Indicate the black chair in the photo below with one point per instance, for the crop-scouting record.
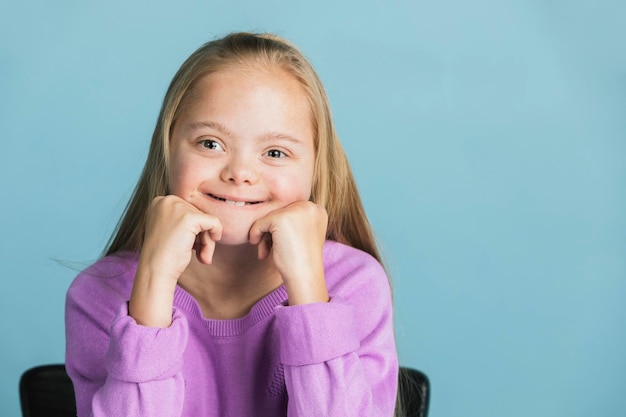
(47, 391)
(413, 393)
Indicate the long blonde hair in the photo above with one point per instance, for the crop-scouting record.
(334, 187)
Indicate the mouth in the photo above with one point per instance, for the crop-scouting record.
(237, 203)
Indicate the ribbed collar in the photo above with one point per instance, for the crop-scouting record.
(226, 328)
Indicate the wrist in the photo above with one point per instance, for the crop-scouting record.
(307, 290)
(152, 299)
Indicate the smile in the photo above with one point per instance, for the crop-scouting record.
(233, 202)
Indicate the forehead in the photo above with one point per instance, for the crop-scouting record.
(246, 82)
(244, 96)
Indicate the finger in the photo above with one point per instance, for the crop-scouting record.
(255, 235)
(259, 228)
(205, 240)
(265, 246)
(208, 227)
(206, 250)
(261, 236)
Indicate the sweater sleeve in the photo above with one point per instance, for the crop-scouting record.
(340, 357)
(118, 367)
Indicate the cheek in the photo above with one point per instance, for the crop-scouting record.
(176, 177)
(302, 187)
(308, 184)
(294, 187)
(184, 176)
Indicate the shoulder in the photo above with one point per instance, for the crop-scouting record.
(105, 284)
(351, 272)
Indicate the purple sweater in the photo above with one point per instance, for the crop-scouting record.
(323, 359)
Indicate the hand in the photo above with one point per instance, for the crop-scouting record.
(174, 228)
(294, 237)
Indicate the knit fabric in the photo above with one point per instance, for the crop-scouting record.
(323, 359)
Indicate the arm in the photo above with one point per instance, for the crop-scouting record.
(118, 367)
(340, 357)
(125, 358)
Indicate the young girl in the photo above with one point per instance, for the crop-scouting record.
(243, 279)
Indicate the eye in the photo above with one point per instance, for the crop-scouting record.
(211, 144)
(275, 153)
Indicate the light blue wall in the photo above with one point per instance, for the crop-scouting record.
(488, 138)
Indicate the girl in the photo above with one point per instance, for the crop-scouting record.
(243, 278)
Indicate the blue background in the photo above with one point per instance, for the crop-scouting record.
(487, 137)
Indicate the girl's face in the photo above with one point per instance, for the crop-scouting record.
(242, 147)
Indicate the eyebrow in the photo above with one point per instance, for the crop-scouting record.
(280, 136)
(210, 124)
(266, 137)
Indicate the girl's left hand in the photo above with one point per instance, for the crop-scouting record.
(294, 237)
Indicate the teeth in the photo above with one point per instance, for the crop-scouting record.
(236, 203)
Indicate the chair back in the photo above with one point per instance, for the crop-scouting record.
(413, 393)
(47, 391)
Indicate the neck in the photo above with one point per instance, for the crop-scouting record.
(232, 284)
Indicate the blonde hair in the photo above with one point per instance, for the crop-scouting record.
(334, 187)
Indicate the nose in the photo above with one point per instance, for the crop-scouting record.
(239, 170)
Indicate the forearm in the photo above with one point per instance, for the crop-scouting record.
(331, 371)
(308, 287)
(341, 387)
(130, 370)
(151, 299)
(158, 398)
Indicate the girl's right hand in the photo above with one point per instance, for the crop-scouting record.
(174, 228)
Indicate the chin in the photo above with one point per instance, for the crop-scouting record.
(235, 238)
(233, 242)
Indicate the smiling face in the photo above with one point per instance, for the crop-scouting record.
(242, 147)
